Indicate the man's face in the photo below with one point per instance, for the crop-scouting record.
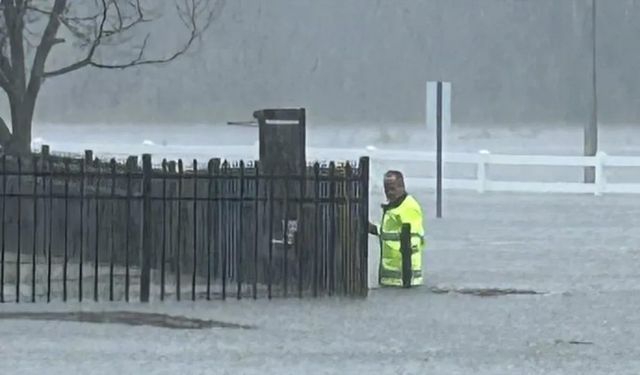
(393, 188)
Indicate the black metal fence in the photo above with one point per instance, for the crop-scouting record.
(75, 229)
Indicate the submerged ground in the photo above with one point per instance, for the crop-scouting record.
(579, 251)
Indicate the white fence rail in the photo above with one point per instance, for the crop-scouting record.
(481, 160)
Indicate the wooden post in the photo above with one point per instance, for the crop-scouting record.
(282, 153)
(132, 162)
(145, 274)
(88, 157)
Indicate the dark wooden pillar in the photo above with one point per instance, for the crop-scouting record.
(282, 154)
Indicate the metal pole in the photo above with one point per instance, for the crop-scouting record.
(439, 151)
(591, 128)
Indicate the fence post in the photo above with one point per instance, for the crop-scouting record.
(405, 250)
(364, 221)
(600, 178)
(482, 170)
(145, 273)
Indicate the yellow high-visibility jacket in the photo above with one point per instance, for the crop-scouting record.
(406, 210)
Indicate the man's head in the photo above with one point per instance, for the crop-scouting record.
(393, 185)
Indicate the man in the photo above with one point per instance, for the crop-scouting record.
(401, 208)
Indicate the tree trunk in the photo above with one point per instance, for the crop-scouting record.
(21, 122)
(20, 143)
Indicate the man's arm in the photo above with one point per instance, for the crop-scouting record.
(373, 229)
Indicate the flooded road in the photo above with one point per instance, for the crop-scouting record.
(580, 252)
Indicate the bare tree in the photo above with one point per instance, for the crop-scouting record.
(105, 34)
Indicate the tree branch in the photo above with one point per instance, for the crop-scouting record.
(87, 60)
(63, 17)
(47, 42)
(190, 14)
(14, 23)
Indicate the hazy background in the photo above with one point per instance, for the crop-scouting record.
(366, 61)
(519, 69)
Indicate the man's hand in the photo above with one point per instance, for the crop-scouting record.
(373, 229)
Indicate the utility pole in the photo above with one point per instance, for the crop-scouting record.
(591, 128)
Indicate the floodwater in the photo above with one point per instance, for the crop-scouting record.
(206, 141)
(555, 139)
(579, 252)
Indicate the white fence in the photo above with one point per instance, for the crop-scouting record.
(481, 160)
